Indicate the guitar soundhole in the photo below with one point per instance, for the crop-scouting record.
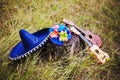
(97, 51)
(90, 36)
(103, 57)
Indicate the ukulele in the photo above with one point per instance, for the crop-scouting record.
(100, 55)
(94, 39)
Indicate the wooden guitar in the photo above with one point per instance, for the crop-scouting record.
(100, 55)
(94, 39)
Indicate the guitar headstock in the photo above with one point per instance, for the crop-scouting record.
(101, 56)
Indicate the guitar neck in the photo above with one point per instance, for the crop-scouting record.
(80, 29)
(74, 30)
(74, 25)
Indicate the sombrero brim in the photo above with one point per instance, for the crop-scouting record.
(19, 51)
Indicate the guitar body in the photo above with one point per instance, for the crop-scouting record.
(100, 55)
(94, 39)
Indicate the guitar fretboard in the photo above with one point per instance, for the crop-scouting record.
(81, 36)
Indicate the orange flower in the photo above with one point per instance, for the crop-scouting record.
(54, 34)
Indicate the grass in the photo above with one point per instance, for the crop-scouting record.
(100, 16)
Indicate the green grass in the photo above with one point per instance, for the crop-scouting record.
(100, 16)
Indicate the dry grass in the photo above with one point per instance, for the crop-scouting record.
(100, 16)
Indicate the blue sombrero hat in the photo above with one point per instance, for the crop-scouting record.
(29, 43)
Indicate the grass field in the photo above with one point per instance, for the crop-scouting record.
(100, 16)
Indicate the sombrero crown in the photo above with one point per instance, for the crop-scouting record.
(29, 43)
